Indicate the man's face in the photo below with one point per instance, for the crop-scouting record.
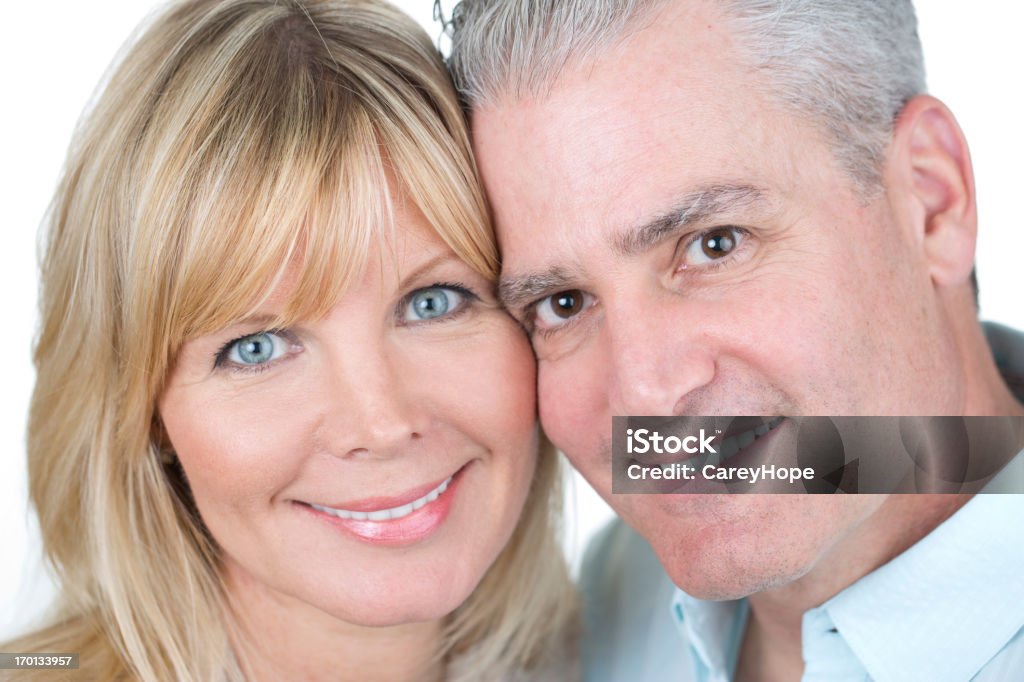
(676, 243)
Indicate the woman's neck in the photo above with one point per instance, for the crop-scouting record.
(278, 637)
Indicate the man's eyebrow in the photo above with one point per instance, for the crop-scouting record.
(518, 290)
(697, 206)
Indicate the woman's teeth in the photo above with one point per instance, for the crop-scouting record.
(386, 514)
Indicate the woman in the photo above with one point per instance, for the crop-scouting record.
(281, 427)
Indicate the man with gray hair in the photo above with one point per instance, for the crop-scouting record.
(750, 207)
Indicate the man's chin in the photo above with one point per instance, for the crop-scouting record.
(714, 587)
(724, 581)
(719, 562)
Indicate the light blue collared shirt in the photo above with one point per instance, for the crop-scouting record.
(949, 609)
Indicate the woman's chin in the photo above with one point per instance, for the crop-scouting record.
(429, 602)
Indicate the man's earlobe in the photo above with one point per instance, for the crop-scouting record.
(931, 162)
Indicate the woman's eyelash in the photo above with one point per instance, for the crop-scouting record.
(455, 286)
(468, 294)
(220, 358)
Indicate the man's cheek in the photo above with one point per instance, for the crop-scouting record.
(555, 416)
(567, 422)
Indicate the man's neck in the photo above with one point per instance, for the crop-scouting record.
(772, 642)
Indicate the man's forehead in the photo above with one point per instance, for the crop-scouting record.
(653, 36)
(619, 110)
(668, 122)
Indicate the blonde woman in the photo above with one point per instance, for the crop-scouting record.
(281, 427)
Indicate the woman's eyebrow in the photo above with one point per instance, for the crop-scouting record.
(423, 268)
(256, 319)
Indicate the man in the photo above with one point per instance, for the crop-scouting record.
(748, 207)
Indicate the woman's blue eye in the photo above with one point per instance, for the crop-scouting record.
(432, 303)
(257, 349)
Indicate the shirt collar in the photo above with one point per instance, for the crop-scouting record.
(713, 630)
(938, 611)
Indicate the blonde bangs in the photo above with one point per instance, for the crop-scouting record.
(284, 171)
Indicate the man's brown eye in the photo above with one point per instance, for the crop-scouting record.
(718, 243)
(714, 245)
(558, 310)
(567, 303)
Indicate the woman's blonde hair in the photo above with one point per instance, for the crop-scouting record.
(233, 138)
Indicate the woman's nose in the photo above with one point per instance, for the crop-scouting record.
(370, 404)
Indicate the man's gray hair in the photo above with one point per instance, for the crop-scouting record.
(849, 66)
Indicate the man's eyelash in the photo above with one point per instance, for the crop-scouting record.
(529, 315)
(546, 334)
(687, 242)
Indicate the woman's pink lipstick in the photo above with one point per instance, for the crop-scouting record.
(397, 520)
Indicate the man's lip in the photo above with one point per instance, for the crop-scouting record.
(737, 426)
(380, 502)
(751, 453)
(741, 425)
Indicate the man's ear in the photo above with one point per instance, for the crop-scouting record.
(929, 166)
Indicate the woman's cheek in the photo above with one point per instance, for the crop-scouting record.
(234, 449)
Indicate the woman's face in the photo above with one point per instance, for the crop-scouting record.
(371, 464)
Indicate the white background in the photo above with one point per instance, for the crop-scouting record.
(53, 53)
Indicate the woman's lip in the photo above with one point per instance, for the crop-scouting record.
(408, 529)
(371, 504)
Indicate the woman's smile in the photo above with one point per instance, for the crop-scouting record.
(395, 520)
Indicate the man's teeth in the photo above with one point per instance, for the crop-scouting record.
(386, 514)
(729, 447)
(733, 444)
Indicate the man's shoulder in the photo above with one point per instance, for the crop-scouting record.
(627, 597)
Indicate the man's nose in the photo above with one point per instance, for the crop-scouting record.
(657, 357)
(371, 407)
